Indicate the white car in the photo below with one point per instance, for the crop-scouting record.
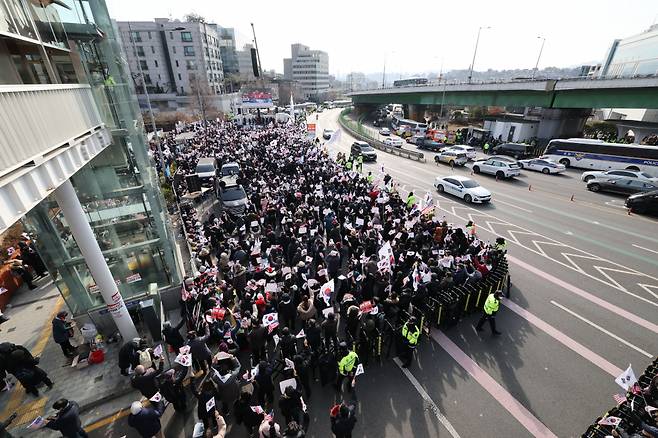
(392, 141)
(468, 150)
(612, 174)
(499, 168)
(385, 131)
(542, 165)
(327, 133)
(467, 189)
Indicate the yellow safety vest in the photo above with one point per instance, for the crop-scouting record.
(347, 363)
(410, 336)
(491, 305)
(370, 178)
(411, 200)
(348, 165)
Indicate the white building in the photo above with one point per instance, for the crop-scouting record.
(310, 69)
(245, 67)
(175, 57)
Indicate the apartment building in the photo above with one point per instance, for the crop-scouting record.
(177, 59)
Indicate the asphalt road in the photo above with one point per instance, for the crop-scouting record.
(584, 304)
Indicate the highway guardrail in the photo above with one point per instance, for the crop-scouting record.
(362, 133)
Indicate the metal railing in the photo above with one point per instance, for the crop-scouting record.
(369, 135)
(37, 119)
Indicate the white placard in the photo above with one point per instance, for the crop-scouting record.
(286, 383)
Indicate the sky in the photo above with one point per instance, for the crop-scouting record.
(414, 36)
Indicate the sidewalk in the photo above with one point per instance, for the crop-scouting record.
(30, 314)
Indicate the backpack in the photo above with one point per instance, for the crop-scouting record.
(145, 358)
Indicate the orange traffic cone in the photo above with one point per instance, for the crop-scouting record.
(572, 198)
(530, 188)
(630, 210)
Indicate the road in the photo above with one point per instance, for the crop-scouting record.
(583, 306)
(584, 302)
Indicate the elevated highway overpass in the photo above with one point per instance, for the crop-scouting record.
(558, 94)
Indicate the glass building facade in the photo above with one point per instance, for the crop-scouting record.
(633, 56)
(118, 189)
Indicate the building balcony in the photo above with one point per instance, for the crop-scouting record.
(47, 133)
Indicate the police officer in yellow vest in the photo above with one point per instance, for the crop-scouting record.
(348, 163)
(411, 200)
(359, 163)
(491, 306)
(410, 335)
(346, 366)
(370, 177)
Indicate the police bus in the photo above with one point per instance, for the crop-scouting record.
(592, 154)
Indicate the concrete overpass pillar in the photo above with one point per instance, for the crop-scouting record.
(417, 112)
(562, 123)
(362, 109)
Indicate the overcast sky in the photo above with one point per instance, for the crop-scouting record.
(417, 36)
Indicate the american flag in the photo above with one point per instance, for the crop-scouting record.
(619, 399)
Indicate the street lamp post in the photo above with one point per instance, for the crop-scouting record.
(477, 41)
(541, 49)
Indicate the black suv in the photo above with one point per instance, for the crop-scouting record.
(363, 148)
(516, 150)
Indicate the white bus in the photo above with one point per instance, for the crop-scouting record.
(410, 127)
(592, 154)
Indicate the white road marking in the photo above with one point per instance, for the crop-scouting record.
(568, 233)
(601, 329)
(646, 249)
(435, 409)
(609, 204)
(498, 201)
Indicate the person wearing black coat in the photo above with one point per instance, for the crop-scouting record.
(61, 333)
(245, 415)
(19, 361)
(146, 380)
(257, 340)
(201, 355)
(343, 423)
(171, 387)
(146, 420)
(67, 419)
(288, 344)
(128, 356)
(172, 335)
(264, 385)
(287, 311)
(291, 406)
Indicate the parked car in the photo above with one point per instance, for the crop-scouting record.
(451, 157)
(623, 186)
(229, 169)
(516, 150)
(392, 141)
(613, 174)
(363, 148)
(384, 131)
(429, 144)
(542, 165)
(327, 133)
(414, 138)
(466, 188)
(495, 166)
(231, 195)
(643, 202)
(206, 168)
(468, 150)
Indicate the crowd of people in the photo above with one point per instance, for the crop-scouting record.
(300, 288)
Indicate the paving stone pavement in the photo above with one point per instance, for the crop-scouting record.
(31, 314)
